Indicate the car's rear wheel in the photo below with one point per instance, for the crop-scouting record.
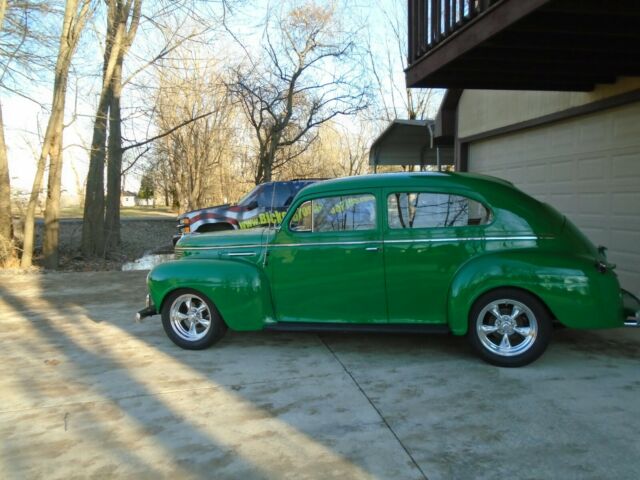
(509, 327)
(191, 320)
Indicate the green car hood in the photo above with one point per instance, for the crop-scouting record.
(226, 238)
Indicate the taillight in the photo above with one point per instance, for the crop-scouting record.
(185, 225)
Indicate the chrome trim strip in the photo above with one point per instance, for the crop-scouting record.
(369, 242)
(241, 254)
(219, 247)
(329, 244)
(463, 239)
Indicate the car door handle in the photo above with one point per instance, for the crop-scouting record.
(372, 249)
(241, 254)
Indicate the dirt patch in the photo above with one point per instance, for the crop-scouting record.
(139, 237)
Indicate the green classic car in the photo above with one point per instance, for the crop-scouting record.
(414, 252)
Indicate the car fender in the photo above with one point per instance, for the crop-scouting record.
(240, 290)
(571, 287)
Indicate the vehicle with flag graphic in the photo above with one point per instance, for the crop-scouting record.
(265, 205)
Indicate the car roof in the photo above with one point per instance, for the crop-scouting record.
(408, 180)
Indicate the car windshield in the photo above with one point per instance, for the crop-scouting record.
(249, 197)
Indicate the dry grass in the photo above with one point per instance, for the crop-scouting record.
(8, 254)
(125, 212)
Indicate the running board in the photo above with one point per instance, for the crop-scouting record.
(318, 327)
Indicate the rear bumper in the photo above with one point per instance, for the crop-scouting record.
(631, 305)
(147, 311)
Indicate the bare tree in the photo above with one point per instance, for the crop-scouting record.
(305, 81)
(75, 16)
(386, 64)
(6, 222)
(76, 13)
(344, 152)
(22, 47)
(123, 18)
(196, 155)
(101, 225)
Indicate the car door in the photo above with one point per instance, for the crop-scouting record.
(428, 235)
(326, 264)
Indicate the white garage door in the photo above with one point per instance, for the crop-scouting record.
(588, 168)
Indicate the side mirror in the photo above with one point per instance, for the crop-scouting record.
(253, 205)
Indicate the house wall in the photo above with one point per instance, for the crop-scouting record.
(484, 110)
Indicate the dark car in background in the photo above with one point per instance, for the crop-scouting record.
(265, 205)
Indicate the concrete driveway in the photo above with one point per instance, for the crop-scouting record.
(84, 391)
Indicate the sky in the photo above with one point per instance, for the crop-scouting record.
(25, 119)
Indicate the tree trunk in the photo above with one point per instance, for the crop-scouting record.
(74, 21)
(6, 223)
(93, 217)
(114, 166)
(93, 242)
(52, 209)
(29, 220)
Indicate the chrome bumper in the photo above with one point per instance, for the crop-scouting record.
(633, 322)
(147, 311)
(631, 309)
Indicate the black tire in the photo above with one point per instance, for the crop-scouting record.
(504, 337)
(179, 330)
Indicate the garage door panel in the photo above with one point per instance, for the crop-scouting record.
(626, 127)
(626, 242)
(626, 203)
(626, 166)
(592, 204)
(593, 132)
(591, 169)
(562, 171)
(597, 236)
(588, 168)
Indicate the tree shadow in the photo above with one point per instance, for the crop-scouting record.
(197, 418)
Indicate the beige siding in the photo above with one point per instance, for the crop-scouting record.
(587, 167)
(483, 110)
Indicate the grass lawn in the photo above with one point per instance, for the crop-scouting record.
(125, 212)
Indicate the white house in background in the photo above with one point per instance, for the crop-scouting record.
(128, 199)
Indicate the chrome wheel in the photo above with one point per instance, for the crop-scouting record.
(507, 327)
(190, 317)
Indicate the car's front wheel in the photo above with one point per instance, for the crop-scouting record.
(191, 320)
(509, 327)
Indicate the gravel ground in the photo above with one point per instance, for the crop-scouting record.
(140, 236)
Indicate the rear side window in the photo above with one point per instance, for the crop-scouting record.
(434, 210)
(336, 214)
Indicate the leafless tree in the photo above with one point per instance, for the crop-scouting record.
(6, 222)
(387, 60)
(308, 77)
(20, 37)
(76, 13)
(101, 220)
(196, 156)
(123, 18)
(342, 152)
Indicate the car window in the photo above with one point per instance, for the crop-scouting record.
(284, 195)
(434, 210)
(336, 214)
(266, 195)
(250, 197)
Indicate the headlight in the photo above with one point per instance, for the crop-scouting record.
(185, 225)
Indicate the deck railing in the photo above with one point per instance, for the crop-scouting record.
(432, 21)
